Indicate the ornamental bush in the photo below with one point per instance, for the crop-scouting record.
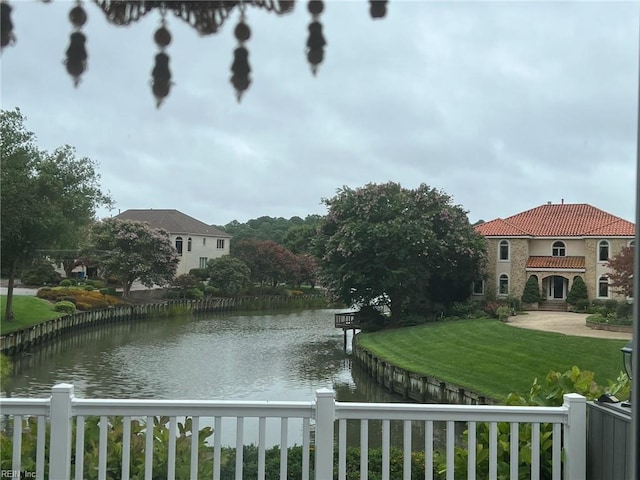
(65, 283)
(578, 291)
(79, 295)
(65, 307)
(531, 293)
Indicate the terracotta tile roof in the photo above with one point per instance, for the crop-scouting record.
(172, 221)
(559, 220)
(555, 262)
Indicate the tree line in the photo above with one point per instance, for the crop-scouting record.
(413, 251)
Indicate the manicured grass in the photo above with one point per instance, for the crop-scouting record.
(27, 311)
(491, 358)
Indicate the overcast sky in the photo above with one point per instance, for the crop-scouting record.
(503, 105)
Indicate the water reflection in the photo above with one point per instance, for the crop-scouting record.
(284, 356)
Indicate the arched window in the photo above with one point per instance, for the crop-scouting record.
(504, 250)
(559, 249)
(603, 287)
(189, 244)
(632, 243)
(179, 245)
(603, 251)
(503, 284)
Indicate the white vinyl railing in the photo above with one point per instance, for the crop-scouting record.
(321, 440)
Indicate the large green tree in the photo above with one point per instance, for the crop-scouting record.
(46, 198)
(130, 251)
(406, 248)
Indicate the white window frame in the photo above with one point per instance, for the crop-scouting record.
(203, 262)
(220, 244)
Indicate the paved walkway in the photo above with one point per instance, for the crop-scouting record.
(568, 323)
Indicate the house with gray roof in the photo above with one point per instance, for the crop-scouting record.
(195, 241)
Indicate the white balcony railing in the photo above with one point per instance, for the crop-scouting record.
(64, 416)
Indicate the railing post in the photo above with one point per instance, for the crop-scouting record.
(60, 441)
(575, 436)
(325, 416)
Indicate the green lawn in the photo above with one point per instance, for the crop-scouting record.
(27, 311)
(491, 358)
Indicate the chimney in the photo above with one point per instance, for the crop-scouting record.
(562, 201)
(548, 202)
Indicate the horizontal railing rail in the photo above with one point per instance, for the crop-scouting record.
(110, 438)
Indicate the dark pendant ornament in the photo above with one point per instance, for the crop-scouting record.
(378, 8)
(161, 75)
(76, 55)
(315, 41)
(6, 25)
(240, 68)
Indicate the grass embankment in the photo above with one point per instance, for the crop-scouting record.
(27, 311)
(491, 358)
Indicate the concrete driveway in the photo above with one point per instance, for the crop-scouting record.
(568, 323)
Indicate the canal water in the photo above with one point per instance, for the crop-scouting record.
(281, 356)
(277, 356)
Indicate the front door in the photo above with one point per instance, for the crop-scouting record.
(556, 288)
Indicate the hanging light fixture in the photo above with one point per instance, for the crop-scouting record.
(206, 17)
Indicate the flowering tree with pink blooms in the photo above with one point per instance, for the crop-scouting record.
(411, 250)
(130, 251)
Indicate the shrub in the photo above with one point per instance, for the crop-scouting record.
(172, 295)
(582, 305)
(624, 310)
(200, 273)
(40, 273)
(68, 299)
(108, 291)
(531, 293)
(65, 283)
(503, 313)
(89, 288)
(469, 309)
(491, 308)
(611, 305)
(210, 291)
(79, 295)
(577, 292)
(193, 294)
(64, 306)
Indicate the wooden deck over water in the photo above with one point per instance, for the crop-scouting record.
(347, 320)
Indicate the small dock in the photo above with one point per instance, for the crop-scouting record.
(347, 321)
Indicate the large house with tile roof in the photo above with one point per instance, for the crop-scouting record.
(195, 241)
(556, 243)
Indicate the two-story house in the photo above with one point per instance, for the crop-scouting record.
(195, 241)
(556, 243)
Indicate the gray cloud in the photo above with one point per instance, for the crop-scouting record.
(502, 105)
